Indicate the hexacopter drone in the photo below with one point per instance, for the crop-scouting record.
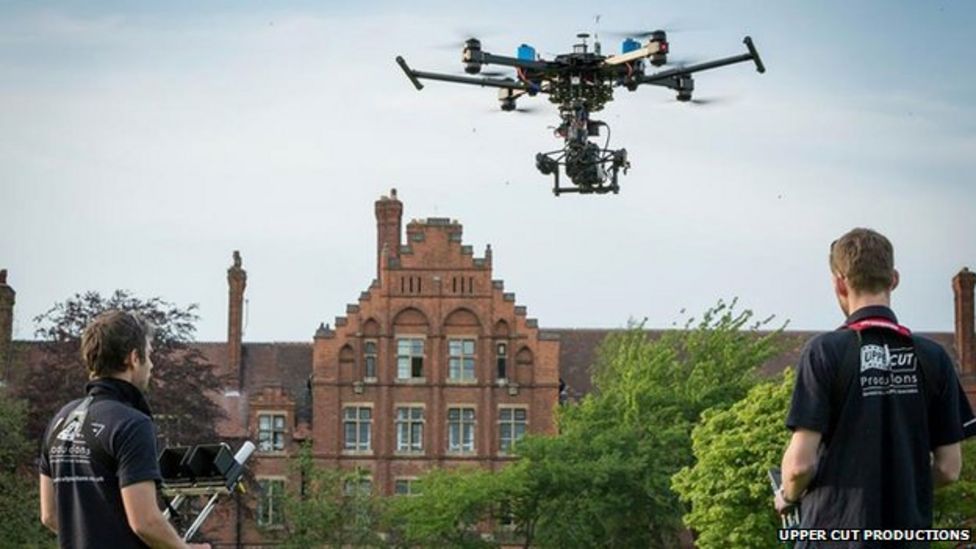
(580, 83)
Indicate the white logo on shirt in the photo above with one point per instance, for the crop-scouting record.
(875, 357)
(893, 371)
(70, 431)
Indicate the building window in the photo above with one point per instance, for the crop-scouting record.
(461, 360)
(271, 432)
(511, 427)
(369, 360)
(410, 358)
(405, 487)
(410, 429)
(501, 360)
(357, 422)
(358, 486)
(460, 430)
(270, 502)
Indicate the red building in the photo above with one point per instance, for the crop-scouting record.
(434, 366)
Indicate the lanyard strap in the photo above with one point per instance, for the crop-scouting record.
(878, 322)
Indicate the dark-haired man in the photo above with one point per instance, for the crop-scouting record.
(98, 468)
(875, 413)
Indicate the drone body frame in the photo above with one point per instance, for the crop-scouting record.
(580, 83)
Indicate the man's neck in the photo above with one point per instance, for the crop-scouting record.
(124, 376)
(858, 302)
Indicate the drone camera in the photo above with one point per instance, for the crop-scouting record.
(545, 165)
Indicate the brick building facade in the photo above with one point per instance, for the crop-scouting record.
(435, 365)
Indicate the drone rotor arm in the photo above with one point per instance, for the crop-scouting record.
(492, 59)
(661, 78)
(760, 68)
(411, 74)
(470, 80)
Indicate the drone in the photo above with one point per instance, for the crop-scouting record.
(581, 83)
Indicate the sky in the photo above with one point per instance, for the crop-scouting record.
(141, 143)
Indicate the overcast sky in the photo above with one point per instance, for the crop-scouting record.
(141, 143)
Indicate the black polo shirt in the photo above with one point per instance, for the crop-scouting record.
(874, 468)
(87, 480)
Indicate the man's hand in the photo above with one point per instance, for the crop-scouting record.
(146, 520)
(782, 507)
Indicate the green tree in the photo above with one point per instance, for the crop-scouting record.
(728, 486)
(576, 491)
(955, 505)
(448, 510)
(183, 381)
(330, 507)
(19, 510)
(649, 396)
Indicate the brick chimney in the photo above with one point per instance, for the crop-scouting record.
(389, 220)
(236, 282)
(7, 295)
(962, 286)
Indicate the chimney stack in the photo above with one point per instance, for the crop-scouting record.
(389, 219)
(236, 282)
(7, 295)
(962, 286)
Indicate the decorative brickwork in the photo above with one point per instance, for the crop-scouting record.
(430, 331)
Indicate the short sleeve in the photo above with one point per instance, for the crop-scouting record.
(135, 452)
(44, 461)
(810, 406)
(950, 408)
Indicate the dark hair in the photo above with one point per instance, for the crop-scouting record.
(108, 340)
(865, 258)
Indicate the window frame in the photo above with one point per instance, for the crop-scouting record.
(501, 360)
(463, 359)
(410, 482)
(349, 486)
(410, 421)
(265, 498)
(460, 449)
(511, 423)
(358, 446)
(412, 358)
(374, 355)
(272, 415)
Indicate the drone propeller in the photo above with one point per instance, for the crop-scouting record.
(497, 74)
(637, 35)
(704, 102)
(460, 36)
(709, 101)
(520, 110)
(681, 62)
(672, 26)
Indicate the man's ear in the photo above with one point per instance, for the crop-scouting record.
(132, 359)
(895, 279)
(840, 285)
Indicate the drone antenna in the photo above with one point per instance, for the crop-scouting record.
(596, 35)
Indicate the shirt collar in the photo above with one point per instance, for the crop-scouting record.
(872, 311)
(121, 390)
